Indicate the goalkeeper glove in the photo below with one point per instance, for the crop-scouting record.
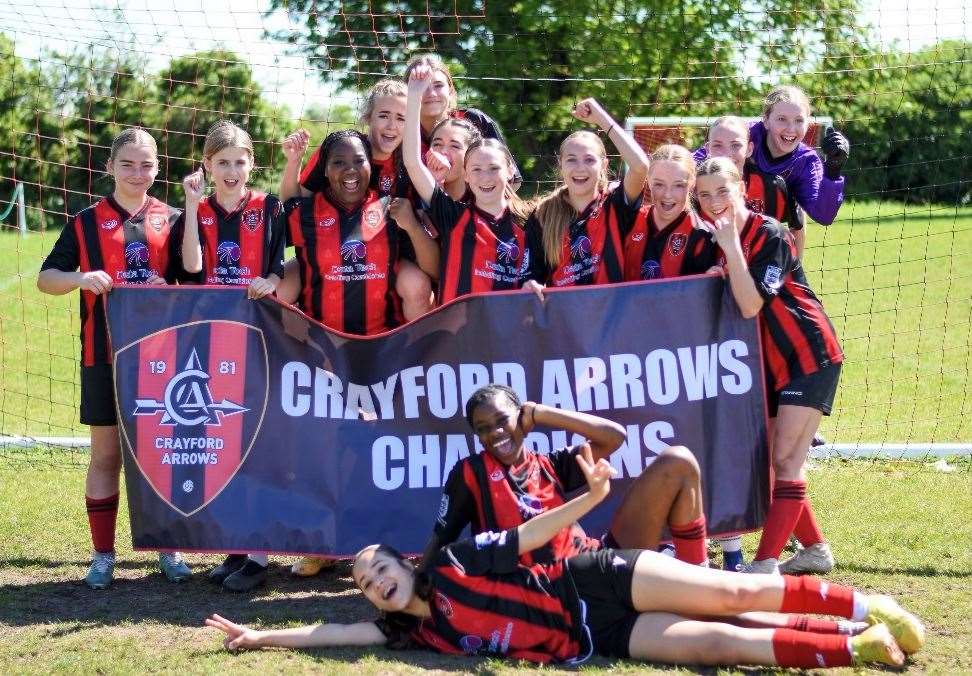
(836, 149)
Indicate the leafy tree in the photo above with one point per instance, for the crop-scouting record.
(908, 115)
(525, 62)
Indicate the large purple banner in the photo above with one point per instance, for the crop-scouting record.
(247, 426)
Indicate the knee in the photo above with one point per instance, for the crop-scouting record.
(679, 461)
(719, 646)
(739, 596)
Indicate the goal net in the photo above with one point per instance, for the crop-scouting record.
(894, 270)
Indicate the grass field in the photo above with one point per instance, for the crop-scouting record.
(900, 528)
(896, 280)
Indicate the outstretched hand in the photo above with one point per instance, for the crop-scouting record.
(238, 636)
(438, 164)
(598, 474)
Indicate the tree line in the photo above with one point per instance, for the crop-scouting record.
(908, 114)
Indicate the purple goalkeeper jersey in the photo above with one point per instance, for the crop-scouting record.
(803, 172)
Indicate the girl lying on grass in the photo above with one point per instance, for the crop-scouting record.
(475, 598)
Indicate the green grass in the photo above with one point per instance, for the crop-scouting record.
(898, 528)
(896, 281)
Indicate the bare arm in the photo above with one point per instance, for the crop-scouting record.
(59, 282)
(539, 530)
(239, 636)
(294, 147)
(605, 436)
(421, 177)
(590, 111)
(288, 289)
(194, 186)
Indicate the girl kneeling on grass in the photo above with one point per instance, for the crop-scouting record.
(476, 599)
(127, 237)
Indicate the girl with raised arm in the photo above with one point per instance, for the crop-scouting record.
(477, 599)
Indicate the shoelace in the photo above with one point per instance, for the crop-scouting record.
(102, 563)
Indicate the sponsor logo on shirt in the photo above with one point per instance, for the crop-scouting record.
(207, 220)
(580, 247)
(354, 250)
(496, 475)
(326, 222)
(508, 251)
(110, 224)
(529, 505)
(650, 269)
(470, 644)
(637, 237)
(228, 252)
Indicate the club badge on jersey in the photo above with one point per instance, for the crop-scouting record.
(195, 395)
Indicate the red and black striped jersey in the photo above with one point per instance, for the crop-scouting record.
(131, 248)
(680, 248)
(483, 493)
(388, 177)
(347, 262)
(483, 602)
(798, 338)
(243, 244)
(480, 253)
(591, 251)
(767, 194)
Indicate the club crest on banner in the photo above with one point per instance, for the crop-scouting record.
(191, 401)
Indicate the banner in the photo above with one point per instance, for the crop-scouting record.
(247, 426)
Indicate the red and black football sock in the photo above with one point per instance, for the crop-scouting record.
(784, 512)
(689, 541)
(808, 650)
(813, 595)
(806, 529)
(102, 513)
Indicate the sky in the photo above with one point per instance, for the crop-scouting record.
(177, 27)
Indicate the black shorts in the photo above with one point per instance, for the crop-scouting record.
(816, 390)
(603, 582)
(98, 396)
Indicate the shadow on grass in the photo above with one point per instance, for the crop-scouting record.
(150, 597)
(914, 571)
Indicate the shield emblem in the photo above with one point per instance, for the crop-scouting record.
(677, 243)
(191, 401)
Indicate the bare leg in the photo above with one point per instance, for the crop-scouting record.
(415, 289)
(664, 584)
(104, 464)
(668, 492)
(664, 637)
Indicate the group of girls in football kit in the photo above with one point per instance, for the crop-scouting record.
(423, 209)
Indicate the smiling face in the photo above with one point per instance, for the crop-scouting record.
(348, 171)
(437, 99)
(133, 168)
(488, 173)
(230, 169)
(495, 422)
(385, 581)
(452, 141)
(386, 126)
(730, 141)
(716, 193)
(583, 166)
(670, 183)
(786, 125)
